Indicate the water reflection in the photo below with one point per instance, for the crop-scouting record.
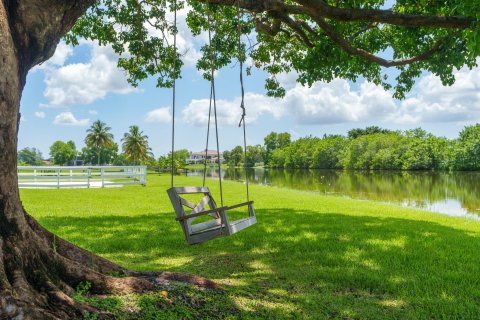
(456, 193)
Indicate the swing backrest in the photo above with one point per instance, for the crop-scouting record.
(181, 203)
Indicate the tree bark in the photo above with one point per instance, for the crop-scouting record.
(31, 286)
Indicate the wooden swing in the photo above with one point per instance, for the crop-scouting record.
(218, 224)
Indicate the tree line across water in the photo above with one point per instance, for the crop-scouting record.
(372, 148)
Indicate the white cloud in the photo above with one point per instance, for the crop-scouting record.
(434, 102)
(338, 102)
(160, 115)
(62, 53)
(229, 112)
(84, 83)
(93, 112)
(40, 114)
(68, 119)
(287, 80)
(322, 103)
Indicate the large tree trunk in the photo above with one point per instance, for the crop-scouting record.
(38, 271)
(33, 278)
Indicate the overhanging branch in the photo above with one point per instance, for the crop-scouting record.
(348, 47)
(320, 9)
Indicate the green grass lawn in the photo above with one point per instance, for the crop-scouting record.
(309, 256)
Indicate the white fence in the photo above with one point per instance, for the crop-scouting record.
(81, 176)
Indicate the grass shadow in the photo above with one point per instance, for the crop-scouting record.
(305, 264)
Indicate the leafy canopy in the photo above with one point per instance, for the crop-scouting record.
(30, 156)
(63, 152)
(105, 155)
(319, 40)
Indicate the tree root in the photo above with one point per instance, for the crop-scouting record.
(166, 276)
(72, 252)
(39, 273)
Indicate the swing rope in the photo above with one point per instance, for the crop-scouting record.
(215, 115)
(242, 104)
(213, 101)
(209, 106)
(208, 136)
(173, 91)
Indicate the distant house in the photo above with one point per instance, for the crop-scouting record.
(199, 157)
(76, 162)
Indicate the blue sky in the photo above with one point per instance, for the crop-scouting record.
(80, 85)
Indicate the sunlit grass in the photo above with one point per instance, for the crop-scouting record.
(309, 256)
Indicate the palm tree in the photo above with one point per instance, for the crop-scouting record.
(135, 145)
(98, 137)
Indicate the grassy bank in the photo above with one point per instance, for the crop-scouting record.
(310, 256)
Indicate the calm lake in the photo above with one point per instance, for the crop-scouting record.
(451, 193)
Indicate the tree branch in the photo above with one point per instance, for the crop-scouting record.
(297, 27)
(348, 47)
(320, 9)
(362, 31)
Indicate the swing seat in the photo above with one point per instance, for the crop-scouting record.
(219, 225)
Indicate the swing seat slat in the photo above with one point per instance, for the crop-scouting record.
(219, 225)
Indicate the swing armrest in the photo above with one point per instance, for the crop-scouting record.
(238, 205)
(220, 209)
